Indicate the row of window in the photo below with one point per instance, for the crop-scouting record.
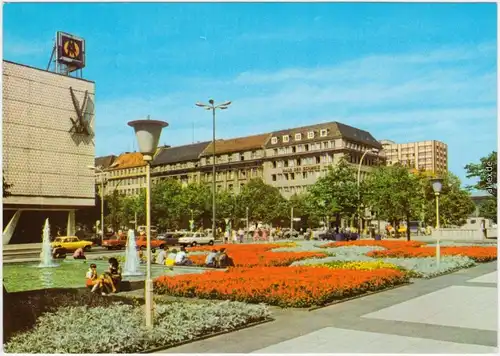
(299, 136)
(230, 175)
(298, 175)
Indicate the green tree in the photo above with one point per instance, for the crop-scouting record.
(488, 209)
(166, 204)
(486, 172)
(132, 205)
(195, 201)
(114, 218)
(395, 194)
(265, 203)
(336, 193)
(455, 203)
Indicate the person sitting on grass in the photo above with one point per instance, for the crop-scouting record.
(181, 258)
(92, 278)
(162, 256)
(79, 254)
(170, 261)
(223, 260)
(210, 260)
(111, 279)
(59, 252)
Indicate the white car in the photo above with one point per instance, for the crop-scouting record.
(196, 238)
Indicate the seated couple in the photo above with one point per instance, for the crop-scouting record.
(173, 258)
(219, 259)
(108, 282)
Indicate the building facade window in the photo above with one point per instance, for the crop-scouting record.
(323, 132)
(310, 134)
(274, 140)
(298, 137)
(286, 138)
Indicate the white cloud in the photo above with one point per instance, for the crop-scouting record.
(444, 94)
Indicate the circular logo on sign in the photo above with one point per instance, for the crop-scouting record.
(71, 49)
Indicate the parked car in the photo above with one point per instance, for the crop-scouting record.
(287, 234)
(71, 243)
(170, 238)
(141, 243)
(327, 235)
(196, 238)
(316, 234)
(115, 242)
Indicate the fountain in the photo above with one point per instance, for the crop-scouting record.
(46, 255)
(131, 267)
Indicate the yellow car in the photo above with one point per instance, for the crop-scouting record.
(71, 243)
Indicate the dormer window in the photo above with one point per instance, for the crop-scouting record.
(286, 138)
(310, 134)
(298, 137)
(323, 133)
(274, 140)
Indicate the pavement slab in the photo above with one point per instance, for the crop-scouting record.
(336, 340)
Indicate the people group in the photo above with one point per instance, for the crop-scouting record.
(218, 259)
(106, 283)
(174, 257)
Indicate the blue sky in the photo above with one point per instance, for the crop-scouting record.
(404, 72)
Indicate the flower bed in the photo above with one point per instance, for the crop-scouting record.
(251, 255)
(361, 265)
(389, 244)
(281, 286)
(477, 253)
(120, 328)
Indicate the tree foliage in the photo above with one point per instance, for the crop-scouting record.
(336, 193)
(455, 203)
(394, 193)
(488, 209)
(485, 172)
(264, 202)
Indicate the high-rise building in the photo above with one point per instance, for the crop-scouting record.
(431, 156)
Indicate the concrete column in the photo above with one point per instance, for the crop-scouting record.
(11, 227)
(70, 227)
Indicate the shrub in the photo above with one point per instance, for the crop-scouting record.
(120, 328)
(281, 286)
(426, 267)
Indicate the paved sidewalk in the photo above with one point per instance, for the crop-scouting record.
(456, 313)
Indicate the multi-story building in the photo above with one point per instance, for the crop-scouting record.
(238, 160)
(48, 123)
(290, 160)
(296, 158)
(127, 174)
(431, 156)
(102, 166)
(180, 162)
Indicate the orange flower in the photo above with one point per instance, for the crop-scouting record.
(282, 286)
(389, 244)
(248, 255)
(477, 253)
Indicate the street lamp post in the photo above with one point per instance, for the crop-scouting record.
(211, 106)
(148, 135)
(372, 150)
(102, 171)
(247, 222)
(437, 185)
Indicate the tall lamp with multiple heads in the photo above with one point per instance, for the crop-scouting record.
(211, 106)
(148, 134)
(437, 186)
(372, 150)
(102, 171)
